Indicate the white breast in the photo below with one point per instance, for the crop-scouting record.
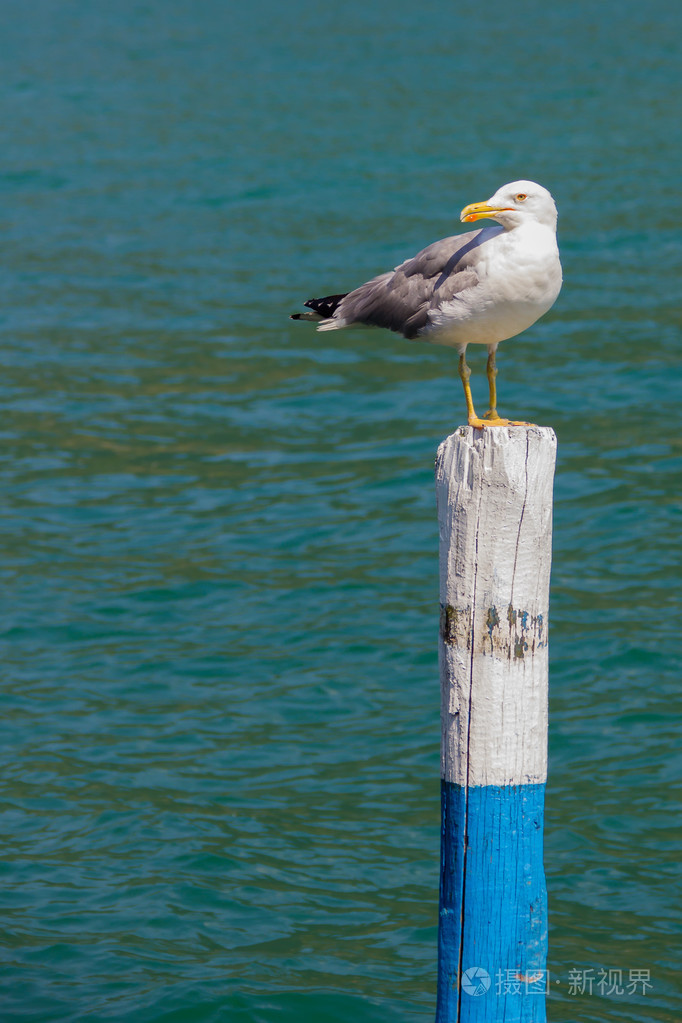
(519, 278)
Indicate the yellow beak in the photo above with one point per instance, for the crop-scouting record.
(479, 211)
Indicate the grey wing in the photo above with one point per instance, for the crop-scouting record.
(403, 299)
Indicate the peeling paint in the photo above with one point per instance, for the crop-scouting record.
(455, 626)
(492, 619)
(515, 635)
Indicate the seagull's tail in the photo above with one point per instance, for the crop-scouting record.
(306, 316)
(322, 309)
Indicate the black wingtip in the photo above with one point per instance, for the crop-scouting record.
(326, 306)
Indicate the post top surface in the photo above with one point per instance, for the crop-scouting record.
(502, 432)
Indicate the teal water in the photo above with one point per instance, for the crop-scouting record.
(220, 796)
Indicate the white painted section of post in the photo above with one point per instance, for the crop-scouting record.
(494, 491)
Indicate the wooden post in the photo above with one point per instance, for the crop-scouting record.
(494, 491)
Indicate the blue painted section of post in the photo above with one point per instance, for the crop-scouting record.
(493, 905)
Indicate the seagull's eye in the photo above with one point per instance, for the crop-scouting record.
(521, 196)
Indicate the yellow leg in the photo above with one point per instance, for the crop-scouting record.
(491, 372)
(464, 374)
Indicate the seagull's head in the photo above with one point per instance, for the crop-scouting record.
(514, 204)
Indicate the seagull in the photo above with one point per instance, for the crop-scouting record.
(480, 287)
